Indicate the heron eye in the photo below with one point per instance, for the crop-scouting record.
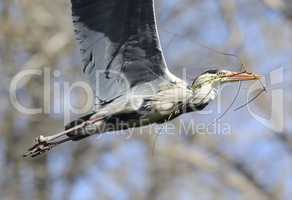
(221, 73)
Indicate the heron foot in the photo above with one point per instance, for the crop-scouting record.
(42, 145)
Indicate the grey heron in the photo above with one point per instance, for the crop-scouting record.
(121, 53)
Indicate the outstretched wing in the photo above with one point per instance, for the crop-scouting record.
(119, 44)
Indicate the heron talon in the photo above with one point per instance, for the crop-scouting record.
(41, 146)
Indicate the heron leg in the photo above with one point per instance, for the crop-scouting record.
(43, 147)
(43, 144)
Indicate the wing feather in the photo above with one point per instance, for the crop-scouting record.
(119, 44)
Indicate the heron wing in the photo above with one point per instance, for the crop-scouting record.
(119, 44)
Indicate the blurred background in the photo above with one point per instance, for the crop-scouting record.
(252, 161)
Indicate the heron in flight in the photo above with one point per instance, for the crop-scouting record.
(121, 53)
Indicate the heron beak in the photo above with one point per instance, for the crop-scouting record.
(240, 76)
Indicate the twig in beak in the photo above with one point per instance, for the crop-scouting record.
(251, 100)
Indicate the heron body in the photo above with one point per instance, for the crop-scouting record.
(146, 106)
(122, 57)
(140, 108)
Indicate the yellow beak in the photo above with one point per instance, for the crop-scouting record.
(241, 76)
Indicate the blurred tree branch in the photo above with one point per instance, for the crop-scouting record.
(282, 6)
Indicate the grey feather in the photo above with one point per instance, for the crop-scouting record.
(119, 44)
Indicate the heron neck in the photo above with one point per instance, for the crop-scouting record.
(204, 95)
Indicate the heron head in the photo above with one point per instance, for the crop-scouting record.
(213, 78)
(205, 85)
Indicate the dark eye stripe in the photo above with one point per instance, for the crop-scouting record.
(212, 71)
